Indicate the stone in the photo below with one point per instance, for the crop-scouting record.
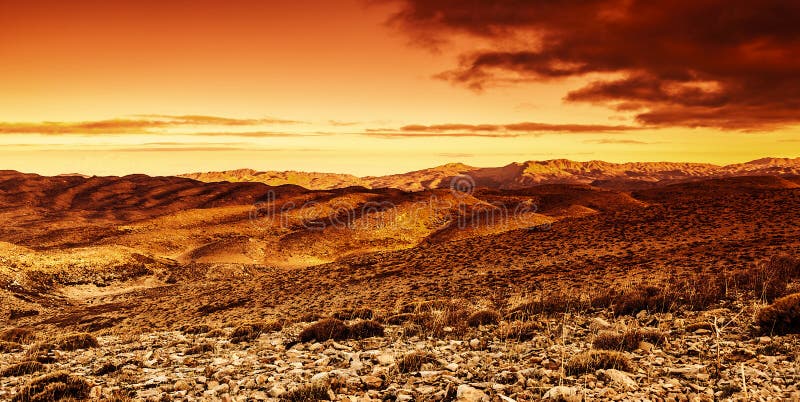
(621, 379)
(466, 393)
(372, 382)
(562, 393)
(181, 385)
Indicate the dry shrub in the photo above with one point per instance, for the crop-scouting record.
(76, 341)
(251, 331)
(401, 318)
(21, 369)
(438, 323)
(352, 314)
(429, 305)
(414, 361)
(53, 387)
(519, 330)
(16, 314)
(697, 292)
(483, 317)
(770, 280)
(309, 317)
(200, 348)
(307, 393)
(592, 360)
(7, 347)
(18, 335)
(365, 329)
(197, 329)
(782, 316)
(697, 326)
(216, 333)
(330, 328)
(548, 303)
(628, 340)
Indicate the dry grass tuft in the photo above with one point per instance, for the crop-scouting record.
(365, 329)
(628, 340)
(307, 393)
(401, 318)
(414, 361)
(781, 317)
(7, 347)
(197, 329)
(251, 331)
(77, 341)
(21, 369)
(53, 387)
(483, 317)
(519, 330)
(592, 360)
(330, 328)
(352, 314)
(18, 335)
(200, 348)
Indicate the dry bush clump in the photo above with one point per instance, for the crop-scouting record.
(770, 280)
(698, 326)
(20, 369)
(628, 340)
(414, 361)
(18, 335)
(197, 329)
(483, 317)
(550, 303)
(520, 330)
(330, 328)
(7, 347)
(307, 393)
(592, 360)
(76, 341)
(781, 317)
(251, 331)
(365, 329)
(200, 348)
(401, 318)
(309, 317)
(352, 314)
(40, 352)
(54, 387)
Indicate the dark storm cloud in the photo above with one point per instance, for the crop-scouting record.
(728, 64)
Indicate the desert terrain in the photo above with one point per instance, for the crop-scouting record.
(551, 280)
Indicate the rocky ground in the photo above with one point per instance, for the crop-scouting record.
(689, 359)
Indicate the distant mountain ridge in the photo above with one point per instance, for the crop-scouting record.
(517, 175)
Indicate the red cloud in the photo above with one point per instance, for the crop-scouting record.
(718, 63)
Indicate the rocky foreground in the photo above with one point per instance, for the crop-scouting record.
(696, 356)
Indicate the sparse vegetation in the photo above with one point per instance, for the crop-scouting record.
(592, 360)
(53, 387)
(307, 393)
(628, 340)
(330, 328)
(414, 361)
(365, 329)
(352, 314)
(22, 368)
(200, 348)
(483, 317)
(781, 317)
(251, 331)
(76, 341)
(7, 347)
(520, 330)
(18, 335)
(197, 329)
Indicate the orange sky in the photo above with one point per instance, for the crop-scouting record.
(314, 85)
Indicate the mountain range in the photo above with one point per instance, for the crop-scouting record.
(517, 175)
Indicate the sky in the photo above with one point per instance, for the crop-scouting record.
(372, 87)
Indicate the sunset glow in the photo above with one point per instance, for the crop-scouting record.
(380, 87)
